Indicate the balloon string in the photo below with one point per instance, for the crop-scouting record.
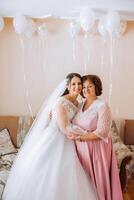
(102, 55)
(86, 53)
(44, 58)
(25, 80)
(74, 50)
(111, 69)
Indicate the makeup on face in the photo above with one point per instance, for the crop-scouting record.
(88, 89)
(75, 86)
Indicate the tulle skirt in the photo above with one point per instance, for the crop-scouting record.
(47, 168)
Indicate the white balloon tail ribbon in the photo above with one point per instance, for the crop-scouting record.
(111, 68)
(44, 56)
(42, 29)
(74, 50)
(86, 56)
(30, 110)
(111, 50)
(25, 79)
(110, 92)
(74, 29)
(30, 28)
(102, 28)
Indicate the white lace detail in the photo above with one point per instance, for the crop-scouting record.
(70, 108)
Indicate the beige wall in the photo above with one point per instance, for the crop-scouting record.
(46, 61)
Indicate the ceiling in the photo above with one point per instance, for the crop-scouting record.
(65, 8)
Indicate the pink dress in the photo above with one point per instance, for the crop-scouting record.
(97, 156)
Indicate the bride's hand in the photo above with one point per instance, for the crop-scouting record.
(72, 136)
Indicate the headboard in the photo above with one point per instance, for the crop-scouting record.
(129, 132)
(11, 123)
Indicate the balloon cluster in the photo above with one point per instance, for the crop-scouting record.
(27, 26)
(112, 25)
(86, 19)
(109, 24)
(74, 29)
(23, 25)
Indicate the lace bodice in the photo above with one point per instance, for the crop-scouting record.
(62, 115)
(69, 107)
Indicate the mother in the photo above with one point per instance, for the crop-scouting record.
(95, 149)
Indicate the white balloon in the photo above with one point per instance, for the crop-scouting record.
(112, 21)
(101, 28)
(74, 29)
(87, 19)
(120, 30)
(1, 23)
(42, 30)
(20, 24)
(31, 28)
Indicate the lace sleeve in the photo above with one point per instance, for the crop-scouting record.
(64, 123)
(104, 123)
(76, 129)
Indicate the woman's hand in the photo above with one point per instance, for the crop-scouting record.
(73, 136)
(87, 137)
(77, 137)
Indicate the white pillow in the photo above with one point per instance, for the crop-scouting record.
(6, 145)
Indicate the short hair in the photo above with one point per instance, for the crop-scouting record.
(96, 81)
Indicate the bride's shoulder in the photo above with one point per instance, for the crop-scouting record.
(61, 101)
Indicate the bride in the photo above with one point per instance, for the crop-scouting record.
(47, 167)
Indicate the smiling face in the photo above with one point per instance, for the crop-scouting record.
(88, 89)
(75, 86)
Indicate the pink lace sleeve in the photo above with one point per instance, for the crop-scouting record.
(104, 122)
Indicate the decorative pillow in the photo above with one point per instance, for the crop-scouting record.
(130, 165)
(114, 133)
(121, 152)
(3, 178)
(24, 125)
(6, 161)
(119, 147)
(114, 128)
(6, 145)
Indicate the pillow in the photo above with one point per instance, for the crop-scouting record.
(23, 128)
(6, 145)
(3, 178)
(114, 129)
(121, 152)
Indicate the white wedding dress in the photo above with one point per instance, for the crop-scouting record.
(51, 169)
